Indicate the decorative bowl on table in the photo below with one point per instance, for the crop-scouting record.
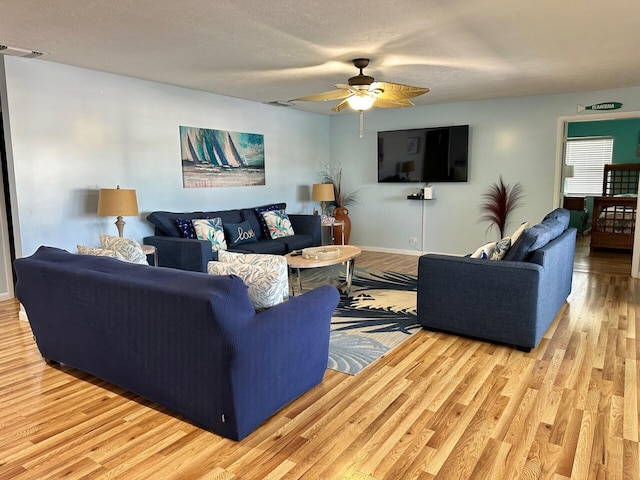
(321, 253)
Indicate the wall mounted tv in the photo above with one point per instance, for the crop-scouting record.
(438, 154)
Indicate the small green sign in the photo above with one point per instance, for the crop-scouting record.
(600, 106)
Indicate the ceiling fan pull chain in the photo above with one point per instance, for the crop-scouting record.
(361, 123)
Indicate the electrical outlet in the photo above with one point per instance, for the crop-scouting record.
(413, 240)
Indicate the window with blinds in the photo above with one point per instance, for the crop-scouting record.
(588, 156)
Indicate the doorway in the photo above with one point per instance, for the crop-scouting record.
(561, 138)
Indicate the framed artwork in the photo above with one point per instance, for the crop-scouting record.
(220, 158)
(413, 145)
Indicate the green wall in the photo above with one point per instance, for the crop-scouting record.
(625, 133)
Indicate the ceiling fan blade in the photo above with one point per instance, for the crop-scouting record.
(324, 96)
(397, 91)
(343, 104)
(386, 103)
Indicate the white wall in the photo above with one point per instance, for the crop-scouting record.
(514, 137)
(74, 131)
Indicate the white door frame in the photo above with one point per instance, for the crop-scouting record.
(561, 137)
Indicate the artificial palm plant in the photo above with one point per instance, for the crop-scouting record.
(333, 174)
(500, 200)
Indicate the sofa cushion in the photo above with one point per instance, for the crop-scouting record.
(562, 215)
(294, 242)
(226, 216)
(211, 229)
(261, 246)
(267, 208)
(186, 228)
(278, 223)
(130, 250)
(99, 252)
(534, 238)
(165, 222)
(239, 233)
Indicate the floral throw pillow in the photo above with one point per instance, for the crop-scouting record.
(127, 247)
(211, 229)
(278, 223)
(99, 252)
(268, 208)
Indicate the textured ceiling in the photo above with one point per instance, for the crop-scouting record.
(277, 50)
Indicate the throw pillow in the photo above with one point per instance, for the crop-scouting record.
(268, 208)
(518, 232)
(210, 229)
(484, 252)
(99, 252)
(278, 223)
(127, 247)
(502, 247)
(562, 215)
(266, 287)
(239, 233)
(186, 228)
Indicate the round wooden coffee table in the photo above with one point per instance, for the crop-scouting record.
(348, 254)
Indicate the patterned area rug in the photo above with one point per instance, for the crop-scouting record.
(378, 315)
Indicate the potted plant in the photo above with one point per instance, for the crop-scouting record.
(333, 174)
(500, 200)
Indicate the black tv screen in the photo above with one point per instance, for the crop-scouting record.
(438, 154)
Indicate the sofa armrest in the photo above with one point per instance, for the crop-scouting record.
(307, 224)
(279, 354)
(182, 253)
(490, 299)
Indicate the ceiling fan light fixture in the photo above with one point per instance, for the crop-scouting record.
(361, 102)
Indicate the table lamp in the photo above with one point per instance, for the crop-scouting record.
(119, 202)
(323, 192)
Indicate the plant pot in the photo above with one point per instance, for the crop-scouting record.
(341, 214)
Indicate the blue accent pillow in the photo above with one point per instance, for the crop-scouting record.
(561, 214)
(239, 233)
(186, 228)
(268, 208)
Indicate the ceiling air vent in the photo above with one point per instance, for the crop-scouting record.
(280, 103)
(19, 52)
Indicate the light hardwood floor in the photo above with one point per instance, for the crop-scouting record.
(437, 407)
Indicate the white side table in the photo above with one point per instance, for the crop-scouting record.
(151, 250)
(332, 226)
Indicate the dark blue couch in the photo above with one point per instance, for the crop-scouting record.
(190, 254)
(189, 341)
(505, 301)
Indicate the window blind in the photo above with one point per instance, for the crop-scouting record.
(588, 157)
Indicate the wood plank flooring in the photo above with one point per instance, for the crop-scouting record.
(437, 407)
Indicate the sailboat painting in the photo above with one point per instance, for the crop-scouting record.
(219, 158)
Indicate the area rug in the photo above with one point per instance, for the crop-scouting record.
(378, 315)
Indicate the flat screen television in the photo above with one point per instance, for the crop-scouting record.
(438, 154)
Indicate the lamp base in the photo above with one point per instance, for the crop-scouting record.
(120, 224)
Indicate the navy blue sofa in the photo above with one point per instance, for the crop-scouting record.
(191, 254)
(511, 301)
(189, 341)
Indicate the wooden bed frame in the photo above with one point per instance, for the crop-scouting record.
(614, 214)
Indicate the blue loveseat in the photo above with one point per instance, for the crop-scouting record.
(192, 254)
(511, 301)
(189, 341)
